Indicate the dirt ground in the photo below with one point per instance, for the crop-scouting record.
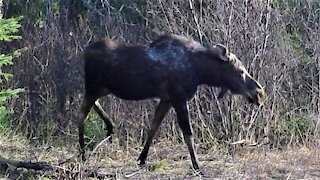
(165, 161)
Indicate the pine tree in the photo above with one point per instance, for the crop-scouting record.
(8, 29)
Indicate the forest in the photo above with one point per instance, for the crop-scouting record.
(42, 87)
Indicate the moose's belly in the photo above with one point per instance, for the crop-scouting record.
(144, 87)
(131, 91)
(130, 86)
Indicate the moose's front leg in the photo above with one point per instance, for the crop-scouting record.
(161, 111)
(184, 123)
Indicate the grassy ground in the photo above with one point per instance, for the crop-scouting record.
(166, 161)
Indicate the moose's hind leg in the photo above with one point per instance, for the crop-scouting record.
(109, 125)
(85, 107)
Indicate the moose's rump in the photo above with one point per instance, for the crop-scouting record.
(126, 72)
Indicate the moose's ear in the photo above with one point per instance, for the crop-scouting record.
(222, 49)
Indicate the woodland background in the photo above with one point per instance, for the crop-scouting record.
(277, 40)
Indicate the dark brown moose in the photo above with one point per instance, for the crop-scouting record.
(170, 68)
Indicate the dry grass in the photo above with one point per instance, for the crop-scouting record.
(166, 160)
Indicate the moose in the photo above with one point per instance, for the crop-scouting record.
(170, 69)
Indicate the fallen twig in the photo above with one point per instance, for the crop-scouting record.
(22, 164)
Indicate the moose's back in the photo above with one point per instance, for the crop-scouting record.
(135, 72)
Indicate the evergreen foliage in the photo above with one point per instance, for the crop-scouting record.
(8, 30)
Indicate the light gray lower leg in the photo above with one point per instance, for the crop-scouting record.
(109, 125)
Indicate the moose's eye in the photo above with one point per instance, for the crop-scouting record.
(241, 71)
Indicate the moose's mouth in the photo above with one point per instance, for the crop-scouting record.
(252, 101)
(256, 97)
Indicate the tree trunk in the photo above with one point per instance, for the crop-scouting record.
(1, 9)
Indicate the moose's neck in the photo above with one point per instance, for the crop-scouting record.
(208, 70)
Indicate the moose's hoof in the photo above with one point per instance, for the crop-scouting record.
(83, 157)
(142, 166)
(142, 163)
(198, 172)
(110, 138)
(109, 135)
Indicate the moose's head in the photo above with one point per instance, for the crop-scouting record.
(233, 76)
